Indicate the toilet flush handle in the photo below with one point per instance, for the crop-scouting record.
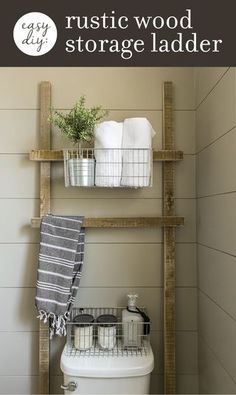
(71, 386)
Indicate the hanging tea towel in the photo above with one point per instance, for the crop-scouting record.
(60, 264)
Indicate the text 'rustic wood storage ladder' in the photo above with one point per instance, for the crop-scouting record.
(168, 221)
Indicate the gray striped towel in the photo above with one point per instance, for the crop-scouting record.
(60, 264)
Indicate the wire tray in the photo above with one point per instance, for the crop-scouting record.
(106, 339)
(111, 168)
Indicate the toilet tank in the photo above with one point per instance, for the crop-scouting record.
(102, 374)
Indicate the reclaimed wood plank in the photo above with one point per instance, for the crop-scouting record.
(169, 246)
(57, 155)
(135, 222)
(45, 187)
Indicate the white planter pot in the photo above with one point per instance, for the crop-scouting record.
(81, 172)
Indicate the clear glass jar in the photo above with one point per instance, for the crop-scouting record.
(107, 331)
(83, 331)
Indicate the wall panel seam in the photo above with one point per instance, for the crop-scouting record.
(216, 140)
(97, 198)
(219, 306)
(212, 89)
(153, 331)
(106, 242)
(216, 356)
(115, 287)
(216, 194)
(108, 109)
(216, 249)
(26, 154)
(22, 375)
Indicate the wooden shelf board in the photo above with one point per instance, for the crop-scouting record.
(131, 222)
(57, 155)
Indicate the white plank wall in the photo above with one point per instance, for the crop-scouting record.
(115, 262)
(216, 224)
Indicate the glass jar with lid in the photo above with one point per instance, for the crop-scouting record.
(107, 325)
(83, 331)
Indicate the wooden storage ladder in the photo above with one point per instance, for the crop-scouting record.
(168, 221)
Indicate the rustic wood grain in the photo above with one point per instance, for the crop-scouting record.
(57, 155)
(130, 222)
(169, 246)
(45, 174)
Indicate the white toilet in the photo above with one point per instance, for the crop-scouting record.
(102, 374)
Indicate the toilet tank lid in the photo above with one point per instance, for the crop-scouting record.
(107, 366)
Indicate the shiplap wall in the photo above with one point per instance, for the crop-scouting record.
(216, 224)
(116, 261)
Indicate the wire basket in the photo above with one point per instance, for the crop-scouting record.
(127, 168)
(106, 338)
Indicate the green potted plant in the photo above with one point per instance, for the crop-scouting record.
(78, 126)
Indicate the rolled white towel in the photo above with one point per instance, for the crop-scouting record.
(137, 145)
(108, 153)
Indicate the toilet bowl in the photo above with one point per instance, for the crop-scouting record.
(106, 374)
